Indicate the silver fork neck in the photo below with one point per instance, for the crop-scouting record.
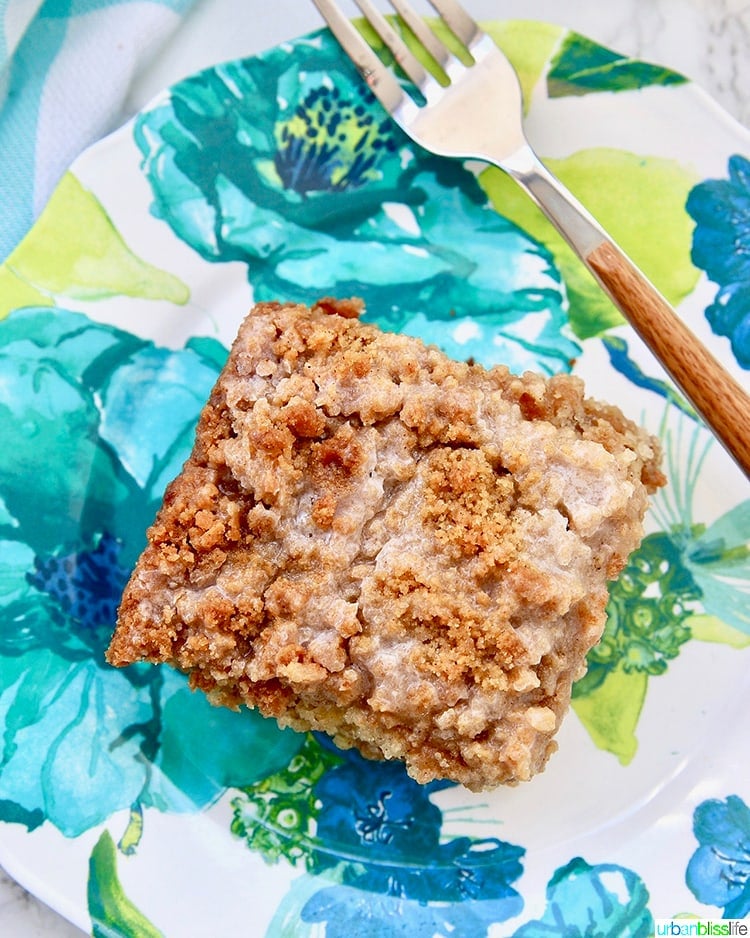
(579, 228)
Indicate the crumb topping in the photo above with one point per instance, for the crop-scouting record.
(406, 552)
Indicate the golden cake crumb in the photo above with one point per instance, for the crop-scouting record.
(406, 552)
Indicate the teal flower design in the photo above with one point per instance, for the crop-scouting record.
(286, 163)
(584, 900)
(346, 911)
(331, 143)
(95, 422)
(718, 873)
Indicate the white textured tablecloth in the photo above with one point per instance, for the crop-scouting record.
(73, 70)
(66, 68)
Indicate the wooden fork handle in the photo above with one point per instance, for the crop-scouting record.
(720, 400)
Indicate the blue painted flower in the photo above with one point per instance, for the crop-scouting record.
(347, 911)
(85, 587)
(384, 824)
(286, 163)
(95, 421)
(373, 841)
(719, 871)
(377, 816)
(721, 247)
(585, 900)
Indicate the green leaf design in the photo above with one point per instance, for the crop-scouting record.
(645, 630)
(610, 712)
(75, 251)
(15, 293)
(529, 47)
(706, 628)
(639, 199)
(128, 843)
(572, 63)
(113, 915)
(582, 66)
(277, 815)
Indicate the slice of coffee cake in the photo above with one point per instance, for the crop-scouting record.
(406, 552)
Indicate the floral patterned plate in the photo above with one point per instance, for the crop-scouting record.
(132, 806)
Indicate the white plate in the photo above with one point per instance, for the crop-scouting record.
(129, 802)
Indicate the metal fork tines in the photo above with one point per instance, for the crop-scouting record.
(468, 105)
(383, 83)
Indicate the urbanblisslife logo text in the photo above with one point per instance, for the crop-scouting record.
(700, 927)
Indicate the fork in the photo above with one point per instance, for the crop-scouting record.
(473, 110)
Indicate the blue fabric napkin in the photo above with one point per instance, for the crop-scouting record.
(65, 70)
